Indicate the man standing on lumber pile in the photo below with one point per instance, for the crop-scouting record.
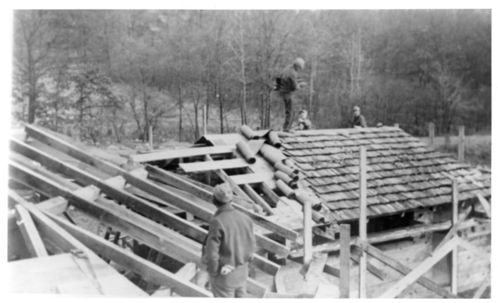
(285, 85)
(358, 121)
(229, 246)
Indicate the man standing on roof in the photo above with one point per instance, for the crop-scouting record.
(285, 85)
(229, 246)
(357, 121)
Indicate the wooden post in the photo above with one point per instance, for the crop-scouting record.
(431, 133)
(454, 254)
(363, 221)
(151, 138)
(345, 254)
(461, 143)
(307, 222)
(204, 120)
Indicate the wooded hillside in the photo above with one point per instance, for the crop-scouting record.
(109, 75)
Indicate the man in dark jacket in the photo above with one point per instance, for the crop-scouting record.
(229, 246)
(358, 120)
(285, 85)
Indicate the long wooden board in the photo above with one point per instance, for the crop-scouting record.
(417, 272)
(29, 233)
(182, 153)
(148, 270)
(213, 165)
(403, 269)
(250, 178)
(172, 198)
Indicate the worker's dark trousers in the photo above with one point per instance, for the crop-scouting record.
(232, 285)
(287, 98)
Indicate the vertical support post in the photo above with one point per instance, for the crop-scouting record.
(461, 143)
(204, 120)
(345, 254)
(431, 133)
(308, 254)
(363, 222)
(151, 138)
(454, 253)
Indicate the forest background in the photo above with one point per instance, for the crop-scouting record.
(106, 76)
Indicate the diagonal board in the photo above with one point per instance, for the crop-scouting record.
(170, 178)
(172, 198)
(29, 233)
(403, 269)
(204, 166)
(129, 221)
(203, 211)
(417, 272)
(182, 153)
(149, 232)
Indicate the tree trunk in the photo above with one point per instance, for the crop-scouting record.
(32, 86)
(180, 106)
(220, 102)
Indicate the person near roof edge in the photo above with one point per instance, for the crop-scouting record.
(286, 83)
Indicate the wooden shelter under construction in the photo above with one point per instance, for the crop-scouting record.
(370, 212)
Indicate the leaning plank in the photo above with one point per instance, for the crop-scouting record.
(403, 269)
(29, 233)
(213, 165)
(170, 178)
(250, 178)
(485, 205)
(416, 273)
(374, 270)
(134, 224)
(65, 242)
(182, 153)
(174, 199)
(148, 270)
(55, 205)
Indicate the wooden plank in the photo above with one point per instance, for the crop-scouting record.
(255, 197)
(213, 165)
(250, 178)
(148, 270)
(55, 205)
(418, 271)
(314, 274)
(485, 204)
(454, 253)
(331, 270)
(307, 233)
(345, 252)
(172, 198)
(363, 221)
(270, 194)
(182, 153)
(29, 233)
(374, 270)
(480, 291)
(461, 143)
(405, 270)
(133, 223)
(186, 185)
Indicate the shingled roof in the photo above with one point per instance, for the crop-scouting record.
(403, 172)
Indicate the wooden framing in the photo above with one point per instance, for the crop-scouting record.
(431, 133)
(461, 143)
(148, 270)
(345, 253)
(251, 178)
(454, 253)
(134, 224)
(213, 165)
(203, 211)
(416, 273)
(405, 270)
(255, 197)
(181, 153)
(29, 233)
(363, 222)
(485, 204)
(307, 233)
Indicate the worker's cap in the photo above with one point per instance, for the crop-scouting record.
(222, 193)
(356, 108)
(299, 62)
(303, 111)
